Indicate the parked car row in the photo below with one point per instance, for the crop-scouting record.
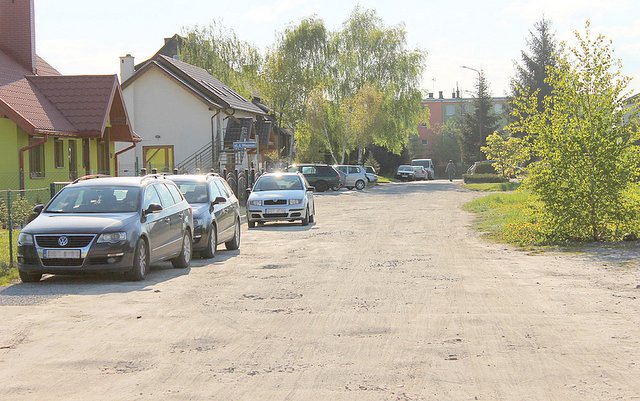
(420, 169)
(324, 177)
(124, 224)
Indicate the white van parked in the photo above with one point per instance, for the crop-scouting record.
(427, 164)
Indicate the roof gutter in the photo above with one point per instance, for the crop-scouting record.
(21, 157)
(115, 156)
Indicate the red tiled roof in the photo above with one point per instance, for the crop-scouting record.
(82, 100)
(66, 105)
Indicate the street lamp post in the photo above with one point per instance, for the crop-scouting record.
(478, 110)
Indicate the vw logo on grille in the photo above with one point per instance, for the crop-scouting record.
(63, 241)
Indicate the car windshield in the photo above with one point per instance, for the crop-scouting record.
(417, 168)
(278, 183)
(405, 167)
(95, 199)
(194, 192)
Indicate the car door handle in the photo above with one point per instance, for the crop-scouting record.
(180, 214)
(167, 219)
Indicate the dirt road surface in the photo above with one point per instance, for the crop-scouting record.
(389, 296)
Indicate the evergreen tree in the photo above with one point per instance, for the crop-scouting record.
(531, 74)
(478, 123)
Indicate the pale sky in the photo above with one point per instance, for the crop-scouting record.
(88, 37)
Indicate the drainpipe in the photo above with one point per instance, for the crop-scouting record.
(115, 156)
(213, 139)
(21, 157)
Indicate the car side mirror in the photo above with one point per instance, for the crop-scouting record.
(37, 209)
(153, 208)
(248, 190)
(312, 189)
(218, 200)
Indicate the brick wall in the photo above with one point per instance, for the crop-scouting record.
(17, 31)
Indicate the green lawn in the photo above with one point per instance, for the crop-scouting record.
(489, 187)
(7, 274)
(510, 217)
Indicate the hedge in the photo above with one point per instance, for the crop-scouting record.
(482, 178)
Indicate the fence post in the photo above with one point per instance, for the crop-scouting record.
(52, 189)
(10, 226)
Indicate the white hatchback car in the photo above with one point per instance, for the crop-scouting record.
(280, 197)
(355, 176)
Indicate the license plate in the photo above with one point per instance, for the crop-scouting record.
(61, 254)
(275, 211)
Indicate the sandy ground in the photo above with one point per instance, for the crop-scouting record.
(389, 296)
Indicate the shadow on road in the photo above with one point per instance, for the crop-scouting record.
(280, 226)
(52, 286)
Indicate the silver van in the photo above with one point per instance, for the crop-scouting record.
(427, 164)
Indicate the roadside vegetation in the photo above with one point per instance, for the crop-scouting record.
(489, 187)
(7, 274)
(578, 144)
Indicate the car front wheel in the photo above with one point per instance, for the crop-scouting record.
(140, 262)
(183, 260)
(29, 277)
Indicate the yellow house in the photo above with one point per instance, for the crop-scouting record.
(53, 127)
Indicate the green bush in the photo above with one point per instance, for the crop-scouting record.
(483, 178)
(21, 210)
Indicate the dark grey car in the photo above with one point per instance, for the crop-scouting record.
(216, 212)
(112, 224)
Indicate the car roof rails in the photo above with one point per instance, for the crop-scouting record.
(90, 177)
(212, 174)
(156, 176)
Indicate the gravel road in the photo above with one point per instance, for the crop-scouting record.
(389, 296)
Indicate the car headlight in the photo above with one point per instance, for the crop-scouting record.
(295, 201)
(25, 239)
(112, 237)
(255, 203)
(198, 222)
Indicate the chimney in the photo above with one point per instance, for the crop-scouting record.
(126, 67)
(453, 95)
(430, 95)
(440, 95)
(17, 32)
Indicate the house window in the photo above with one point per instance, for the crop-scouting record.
(425, 142)
(58, 152)
(450, 109)
(36, 159)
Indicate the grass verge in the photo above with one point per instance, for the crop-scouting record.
(7, 274)
(510, 218)
(489, 187)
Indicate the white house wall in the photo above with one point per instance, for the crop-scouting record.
(158, 105)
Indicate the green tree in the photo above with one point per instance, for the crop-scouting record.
(235, 62)
(477, 124)
(531, 74)
(366, 55)
(446, 146)
(586, 155)
(294, 68)
(509, 153)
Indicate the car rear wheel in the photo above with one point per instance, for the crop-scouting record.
(29, 277)
(235, 241)
(210, 252)
(140, 262)
(183, 260)
(360, 184)
(305, 220)
(321, 186)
